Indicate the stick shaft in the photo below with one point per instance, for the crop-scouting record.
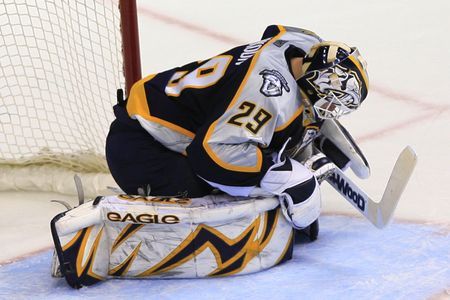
(379, 213)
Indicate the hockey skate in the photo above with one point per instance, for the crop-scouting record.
(308, 234)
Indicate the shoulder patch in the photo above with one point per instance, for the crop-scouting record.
(279, 43)
(273, 83)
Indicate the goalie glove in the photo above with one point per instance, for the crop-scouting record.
(320, 165)
(297, 190)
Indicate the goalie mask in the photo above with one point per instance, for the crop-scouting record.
(335, 79)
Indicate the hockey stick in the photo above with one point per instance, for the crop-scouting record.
(378, 213)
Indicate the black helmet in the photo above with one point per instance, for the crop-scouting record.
(334, 80)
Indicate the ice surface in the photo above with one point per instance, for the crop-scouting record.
(350, 260)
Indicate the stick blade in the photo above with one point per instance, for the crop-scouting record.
(401, 173)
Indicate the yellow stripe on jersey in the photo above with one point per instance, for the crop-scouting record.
(257, 167)
(228, 166)
(296, 114)
(137, 104)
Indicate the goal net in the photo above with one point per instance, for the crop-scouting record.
(61, 62)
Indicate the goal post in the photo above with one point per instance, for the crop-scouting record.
(61, 63)
(130, 43)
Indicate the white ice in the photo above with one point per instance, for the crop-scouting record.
(407, 46)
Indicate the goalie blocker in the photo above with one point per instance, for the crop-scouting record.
(138, 237)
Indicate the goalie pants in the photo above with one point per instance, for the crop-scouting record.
(136, 160)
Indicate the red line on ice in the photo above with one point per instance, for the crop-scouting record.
(25, 255)
(431, 109)
(184, 25)
(398, 126)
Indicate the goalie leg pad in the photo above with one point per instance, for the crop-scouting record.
(138, 237)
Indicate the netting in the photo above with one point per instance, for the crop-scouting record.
(60, 67)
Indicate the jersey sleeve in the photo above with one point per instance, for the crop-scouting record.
(231, 152)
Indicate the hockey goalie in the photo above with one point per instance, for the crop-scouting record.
(220, 162)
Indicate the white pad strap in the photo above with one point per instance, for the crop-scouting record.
(277, 179)
(303, 214)
(282, 178)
